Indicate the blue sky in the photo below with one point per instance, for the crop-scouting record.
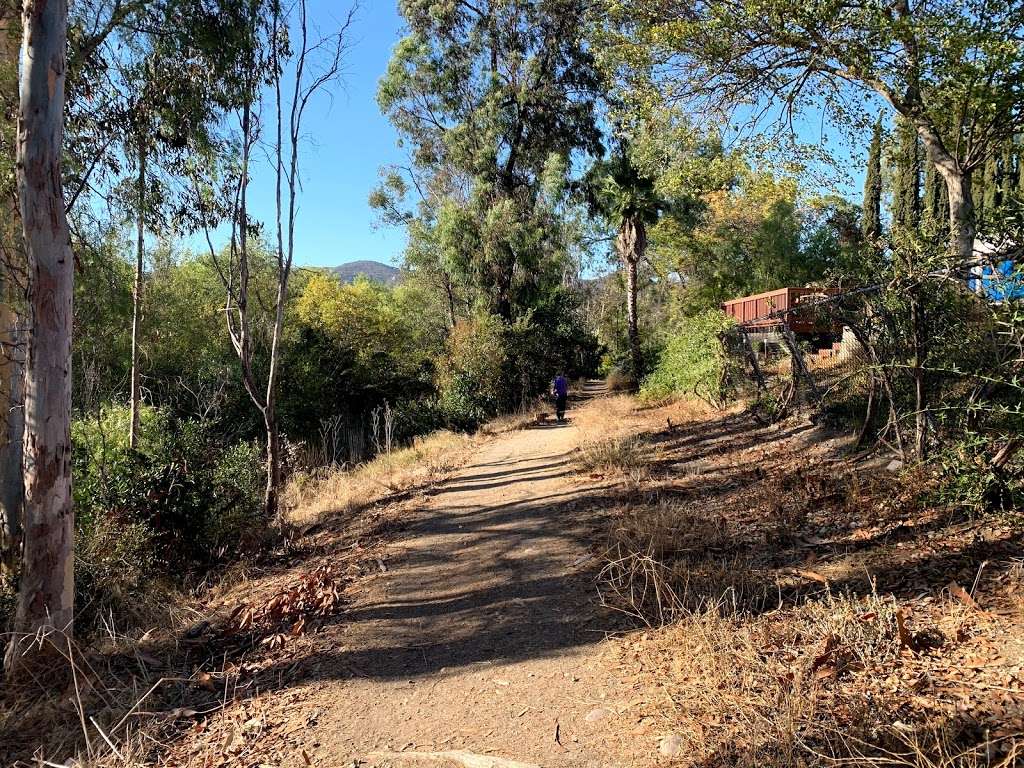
(348, 142)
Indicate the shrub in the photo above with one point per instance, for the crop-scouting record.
(694, 362)
(177, 502)
(968, 481)
(620, 380)
(238, 479)
(471, 376)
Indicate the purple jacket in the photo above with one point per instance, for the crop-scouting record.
(561, 386)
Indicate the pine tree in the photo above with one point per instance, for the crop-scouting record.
(906, 160)
(872, 225)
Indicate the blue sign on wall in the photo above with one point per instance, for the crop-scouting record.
(1005, 282)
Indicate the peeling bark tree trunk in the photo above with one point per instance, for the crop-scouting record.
(46, 588)
(270, 497)
(12, 337)
(140, 252)
(631, 244)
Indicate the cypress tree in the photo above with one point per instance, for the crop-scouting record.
(988, 195)
(872, 225)
(907, 155)
(936, 199)
(1007, 172)
(1019, 157)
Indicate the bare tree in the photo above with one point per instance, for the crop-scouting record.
(295, 78)
(46, 588)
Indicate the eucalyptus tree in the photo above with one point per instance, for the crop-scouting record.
(12, 298)
(45, 601)
(175, 84)
(494, 101)
(953, 68)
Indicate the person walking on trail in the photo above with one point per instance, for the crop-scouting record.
(560, 390)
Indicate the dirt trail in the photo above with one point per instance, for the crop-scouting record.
(483, 633)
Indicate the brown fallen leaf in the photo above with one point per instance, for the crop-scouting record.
(825, 654)
(961, 594)
(205, 680)
(809, 574)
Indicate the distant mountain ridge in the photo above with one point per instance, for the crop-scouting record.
(375, 270)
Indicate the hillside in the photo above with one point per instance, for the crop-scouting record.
(375, 270)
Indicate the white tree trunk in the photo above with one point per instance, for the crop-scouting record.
(46, 588)
(958, 186)
(140, 253)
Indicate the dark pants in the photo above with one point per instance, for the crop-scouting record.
(560, 406)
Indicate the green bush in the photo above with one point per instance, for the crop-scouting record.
(471, 378)
(177, 503)
(694, 361)
(968, 482)
(238, 480)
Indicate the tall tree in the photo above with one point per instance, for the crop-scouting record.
(493, 100)
(173, 81)
(1008, 171)
(906, 164)
(988, 194)
(935, 202)
(626, 198)
(872, 221)
(295, 76)
(45, 601)
(12, 281)
(917, 57)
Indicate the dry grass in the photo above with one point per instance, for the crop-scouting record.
(769, 643)
(623, 455)
(667, 559)
(813, 685)
(523, 418)
(96, 723)
(311, 496)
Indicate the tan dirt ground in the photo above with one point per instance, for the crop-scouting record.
(483, 634)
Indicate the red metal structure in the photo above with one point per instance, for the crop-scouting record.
(770, 309)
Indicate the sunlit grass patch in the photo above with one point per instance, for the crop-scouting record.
(312, 495)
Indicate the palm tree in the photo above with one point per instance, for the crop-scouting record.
(617, 191)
